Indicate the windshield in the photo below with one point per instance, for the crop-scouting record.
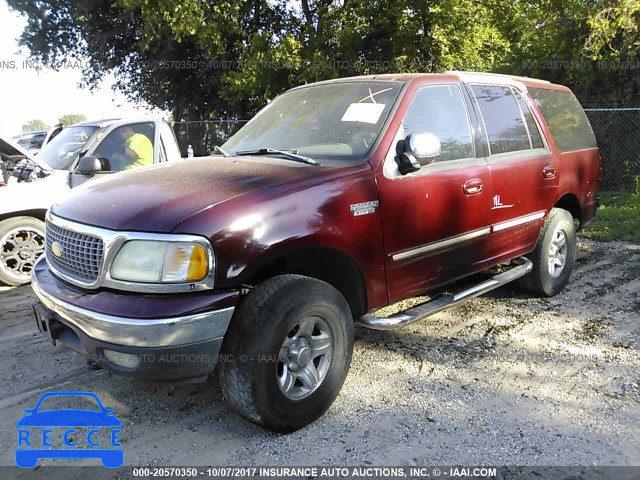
(332, 121)
(63, 150)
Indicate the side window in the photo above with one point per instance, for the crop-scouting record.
(32, 142)
(128, 146)
(566, 119)
(37, 140)
(532, 126)
(502, 119)
(440, 109)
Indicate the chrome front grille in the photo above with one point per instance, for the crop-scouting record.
(76, 255)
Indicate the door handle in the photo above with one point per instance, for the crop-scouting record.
(549, 172)
(472, 186)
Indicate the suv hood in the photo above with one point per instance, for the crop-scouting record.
(158, 198)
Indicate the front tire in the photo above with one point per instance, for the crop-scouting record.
(21, 245)
(287, 352)
(554, 255)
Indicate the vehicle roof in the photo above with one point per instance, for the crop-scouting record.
(468, 77)
(113, 121)
(32, 132)
(95, 123)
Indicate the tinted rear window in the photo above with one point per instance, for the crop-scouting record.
(534, 133)
(567, 121)
(502, 118)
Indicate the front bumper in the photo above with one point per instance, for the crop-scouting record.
(184, 345)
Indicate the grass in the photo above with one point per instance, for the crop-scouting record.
(618, 218)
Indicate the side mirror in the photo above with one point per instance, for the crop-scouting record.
(92, 165)
(417, 150)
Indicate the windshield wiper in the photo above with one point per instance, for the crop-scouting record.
(222, 151)
(292, 155)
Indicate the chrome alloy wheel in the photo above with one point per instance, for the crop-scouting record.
(305, 358)
(557, 253)
(20, 249)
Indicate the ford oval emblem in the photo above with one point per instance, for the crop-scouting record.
(56, 249)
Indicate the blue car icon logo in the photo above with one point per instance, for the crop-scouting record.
(69, 433)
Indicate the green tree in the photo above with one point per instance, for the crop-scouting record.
(568, 42)
(327, 39)
(615, 29)
(172, 54)
(226, 58)
(72, 118)
(33, 125)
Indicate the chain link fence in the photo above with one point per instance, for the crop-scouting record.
(204, 135)
(617, 131)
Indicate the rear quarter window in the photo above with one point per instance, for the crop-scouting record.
(566, 119)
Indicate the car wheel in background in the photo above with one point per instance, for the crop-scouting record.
(21, 245)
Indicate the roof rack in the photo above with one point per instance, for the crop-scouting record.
(498, 75)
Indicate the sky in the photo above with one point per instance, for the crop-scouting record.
(26, 94)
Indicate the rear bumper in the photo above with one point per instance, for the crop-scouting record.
(167, 348)
(589, 211)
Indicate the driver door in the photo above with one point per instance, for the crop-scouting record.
(114, 153)
(436, 219)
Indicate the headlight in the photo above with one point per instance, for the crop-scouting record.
(150, 261)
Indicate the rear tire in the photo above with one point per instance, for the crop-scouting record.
(554, 255)
(287, 352)
(21, 245)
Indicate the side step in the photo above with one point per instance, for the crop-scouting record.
(427, 309)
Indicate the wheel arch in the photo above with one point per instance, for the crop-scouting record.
(39, 213)
(328, 264)
(571, 204)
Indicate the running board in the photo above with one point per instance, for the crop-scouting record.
(427, 309)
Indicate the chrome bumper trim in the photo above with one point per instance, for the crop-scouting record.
(162, 332)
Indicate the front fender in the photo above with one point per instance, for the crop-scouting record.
(37, 195)
(250, 231)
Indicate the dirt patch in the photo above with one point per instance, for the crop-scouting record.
(504, 379)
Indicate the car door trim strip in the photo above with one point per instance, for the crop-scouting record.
(481, 232)
(518, 221)
(465, 237)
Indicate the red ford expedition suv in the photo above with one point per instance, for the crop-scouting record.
(336, 199)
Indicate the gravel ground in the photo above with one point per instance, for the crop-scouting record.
(505, 379)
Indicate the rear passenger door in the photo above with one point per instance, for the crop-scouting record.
(523, 171)
(435, 220)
